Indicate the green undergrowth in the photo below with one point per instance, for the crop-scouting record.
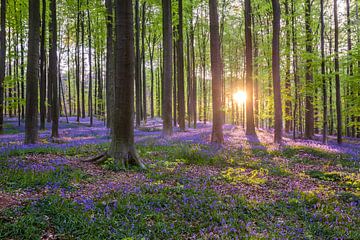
(160, 212)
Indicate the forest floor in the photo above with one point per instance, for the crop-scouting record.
(192, 189)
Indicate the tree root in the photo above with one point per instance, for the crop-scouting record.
(122, 159)
(94, 159)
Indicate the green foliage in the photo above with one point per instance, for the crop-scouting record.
(164, 212)
(56, 177)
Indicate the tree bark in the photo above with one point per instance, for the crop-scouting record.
(180, 69)
(83, 114)
(109, 61)
(2, 60)
(43, 68)
(167, 63)
(250, 126)
(216, 71)
(53, 70)
(288, 103)
(122, 144)
(337, 75)
(143, 35)
(137, 65)
(276, 72)
(322, 46)
(32, 74)
(77, 60)
(309, 99)
(90, 102)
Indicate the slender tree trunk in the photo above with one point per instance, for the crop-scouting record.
(288, 104)
(216, 71)
(276, 71)
(143, 35)
(32, 73)
(77, 59)
(167, 63)
(189, 80)
(175, 106)
(2, 60)
(180, 69)
(90, 103)
(83, 114)
(43, 68)
(309, 99)
(53, 71)
(68, 70)
(256, 78)
(137, 65)
(352, 129)
(194, 80)
(324, 135)
(250, 126)
(151, 53)
(337, 76)
(109, 61)
(331, 109)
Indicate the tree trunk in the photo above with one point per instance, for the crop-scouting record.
(109, 61)
(90, 66)
(175, 106)
(180, 69)
(337, 76)
(167, 63)
(137, 65)
(77, 60)
(216, 71)
(122, 143)
(276, 72)
(309, 99)
(2, 60)
(324, 135)
(53, 71)
(32, 73)
(288, 104)
(250, 126)
(152, 43)
(68, 69)
(43, 68)
(143, 35)
(82, 65)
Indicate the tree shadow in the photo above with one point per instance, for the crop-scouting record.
(255, 144)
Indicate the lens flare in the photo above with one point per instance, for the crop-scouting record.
(240, 97)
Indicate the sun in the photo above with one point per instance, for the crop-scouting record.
(240, 97)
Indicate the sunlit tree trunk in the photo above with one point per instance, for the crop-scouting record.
(216, 71)
(250, 126)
